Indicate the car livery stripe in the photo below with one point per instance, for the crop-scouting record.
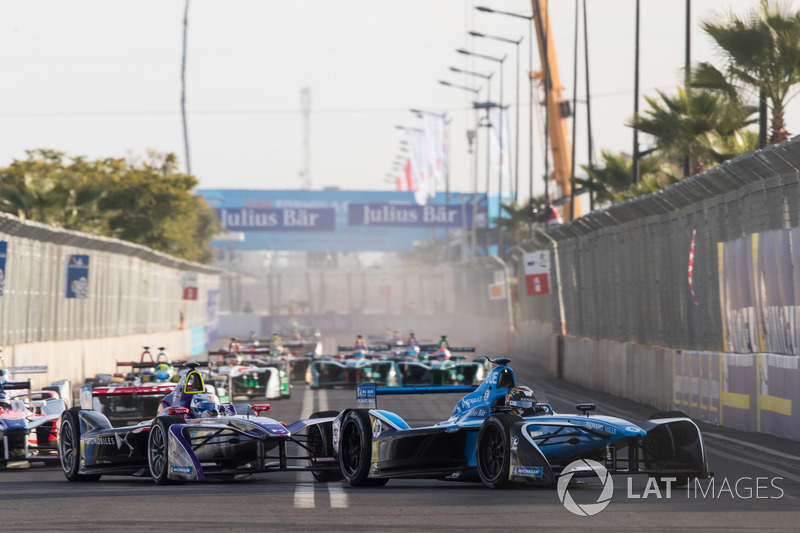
(175, 430)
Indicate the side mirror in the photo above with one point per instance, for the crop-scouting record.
(584, 408)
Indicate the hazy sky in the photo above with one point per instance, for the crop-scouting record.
(102, 79)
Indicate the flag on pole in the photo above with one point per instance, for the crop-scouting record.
(498, 146)
(691, 266)
(435, 146)
(420, 166)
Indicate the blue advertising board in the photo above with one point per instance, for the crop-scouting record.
(77, 276)
(410, 216)
(324, 224)
(3, 252)
(286, 219)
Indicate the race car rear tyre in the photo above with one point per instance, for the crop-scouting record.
(158, 448)
(493, 450)
(320, 444)
(69, 446)
(355, 450)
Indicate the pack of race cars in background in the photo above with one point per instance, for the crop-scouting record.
(398, 363)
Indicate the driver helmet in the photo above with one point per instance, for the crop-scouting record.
(443, 353)
(232, 359)
(164, 371)
(204, 405)
(4, 403)
(521, 400)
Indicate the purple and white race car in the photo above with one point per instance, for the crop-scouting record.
(193, 438)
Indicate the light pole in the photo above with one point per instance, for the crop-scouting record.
(530, 81)
(473, 139)
(488, 78)
(499, 130)
(516, 147)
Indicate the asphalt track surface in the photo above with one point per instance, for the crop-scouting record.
(756, 487)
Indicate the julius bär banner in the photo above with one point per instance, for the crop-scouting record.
(281, 219)
(400, 215)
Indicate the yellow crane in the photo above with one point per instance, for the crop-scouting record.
(558, 108)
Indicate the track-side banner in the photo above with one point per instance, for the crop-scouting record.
(760, 293)
(282, 219)
(420, 216)
(77, 276)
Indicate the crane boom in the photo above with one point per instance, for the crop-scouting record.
(558, 108)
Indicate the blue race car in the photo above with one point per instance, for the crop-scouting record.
(499, 435)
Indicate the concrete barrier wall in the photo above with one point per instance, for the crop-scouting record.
(639, 373)
(76, 360)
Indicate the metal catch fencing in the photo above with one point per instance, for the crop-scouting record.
(127, 288)
(653, 270)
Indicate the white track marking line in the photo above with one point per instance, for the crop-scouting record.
(304, 491)
(322, 394)
(304, 496)
(754, 446)
(780, 473)
(338, 496)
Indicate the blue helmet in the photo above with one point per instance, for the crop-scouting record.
(204, 405)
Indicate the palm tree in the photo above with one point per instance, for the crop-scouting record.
(762, 57)
(709, 125)
(612, 182)
(45, 190)
(515, 219)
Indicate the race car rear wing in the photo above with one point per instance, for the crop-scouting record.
(17, 385)
(139, 364)
(367, 393)
(434, 347)
(38, 369)
(87, 392)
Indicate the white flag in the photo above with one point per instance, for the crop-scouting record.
(498, 153)
(418, 161)
(435, 143)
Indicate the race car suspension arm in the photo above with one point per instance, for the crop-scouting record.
(205, 440)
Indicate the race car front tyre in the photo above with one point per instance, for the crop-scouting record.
(320, 444)
(158, 448)
(493, 450)
(355, 450)
(69, 446)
